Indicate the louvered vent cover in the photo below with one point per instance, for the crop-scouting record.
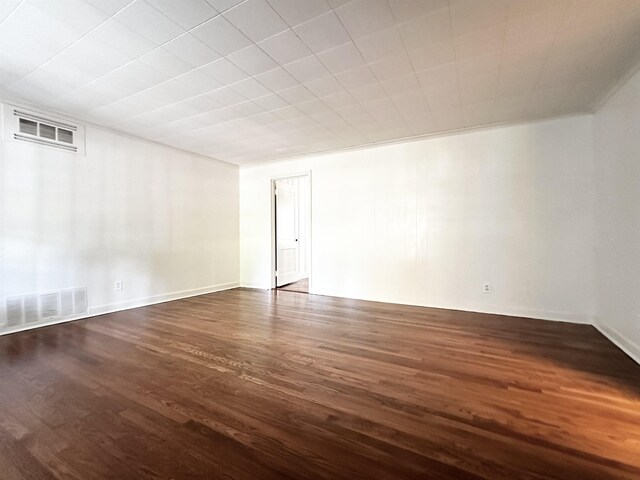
(14, 311)
(66, 303)
(47, 131)
(65, 136)
(40, 129)
(28, 127)
(80, 300)
(31, 309)
(49, 306)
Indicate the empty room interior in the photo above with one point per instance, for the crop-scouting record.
(319, 239)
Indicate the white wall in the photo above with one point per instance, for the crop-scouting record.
(163, 221)
(617, 147)
(429, 222)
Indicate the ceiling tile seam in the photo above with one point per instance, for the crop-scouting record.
(313, 54)
(333, 75)
(455, 59)
(88, 123)
(61, 97)
(313, 109)
(360, 52)
(504, 46)
(417, 138)
(413, 67)
(247, 100)
(204, 113)
(158, 47)
(222, 11)
(208, 92)
(171, 80)
(190, 71)
(502, 54)
(71, 44)
(546, 59)
(12, 12)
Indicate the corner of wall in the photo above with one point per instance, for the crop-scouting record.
(627, 346)
(603, 98)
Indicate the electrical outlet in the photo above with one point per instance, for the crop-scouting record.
(486, 288)
(118, 286)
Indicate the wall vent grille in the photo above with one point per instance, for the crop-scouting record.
(80, 301)
(49, 305)
(31, 309)
(40, 129)
(66, 303)
(14, 311)
(44, 307)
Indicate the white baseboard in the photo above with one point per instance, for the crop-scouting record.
(549, 315)
(128, 304)
(630, 348)
(165, 297)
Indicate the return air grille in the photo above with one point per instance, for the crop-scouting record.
(14, 312)
(31, 309)
(49, 305)
(29, 127)
(65, 136)
(43, 308)
(47, 131)
(38, 129)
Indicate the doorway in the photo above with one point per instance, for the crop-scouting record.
(292, 233)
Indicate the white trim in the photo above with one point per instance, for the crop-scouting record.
(546, 315)
(268, 161)
(306, 173)
(129, 304)
(627, 346)
(414, 138)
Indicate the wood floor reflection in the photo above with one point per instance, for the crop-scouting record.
(249, 384)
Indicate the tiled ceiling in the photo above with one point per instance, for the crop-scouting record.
(246, 81)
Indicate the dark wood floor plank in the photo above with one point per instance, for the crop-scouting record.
(247, 384)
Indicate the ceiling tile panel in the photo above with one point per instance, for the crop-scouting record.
(306, 69)
(323, 32)
(277, 79)
(191, 50)
(219, 34)
(285, 47)
(341, 58)
(148, 22)
(186, 13)
(254, 80)
(252, 60)
(361, 17)
(295, 12)
(256, 19)
(381, 45)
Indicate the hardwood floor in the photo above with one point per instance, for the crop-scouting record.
(247, 384)
(301, 286)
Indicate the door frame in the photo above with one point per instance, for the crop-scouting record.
(274, 246)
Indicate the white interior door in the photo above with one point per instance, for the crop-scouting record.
(287, 244)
